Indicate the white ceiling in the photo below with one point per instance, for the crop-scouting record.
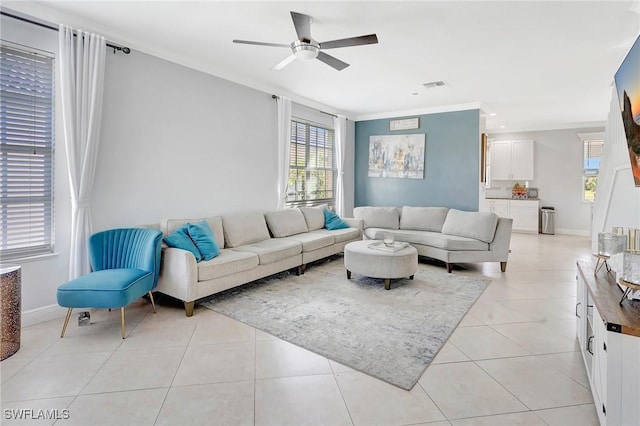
(535, 65)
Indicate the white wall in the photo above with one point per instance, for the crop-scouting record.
(175, 142)
(558, 176)
(180, 143)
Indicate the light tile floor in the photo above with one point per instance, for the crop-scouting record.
(513, 360)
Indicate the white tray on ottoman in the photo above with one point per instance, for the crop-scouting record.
(376, 262)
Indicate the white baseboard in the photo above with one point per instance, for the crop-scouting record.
(578, 232)
(45, 313)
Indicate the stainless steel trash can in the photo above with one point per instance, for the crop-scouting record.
(547, 220)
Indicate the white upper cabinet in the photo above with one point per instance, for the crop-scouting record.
(511, 160)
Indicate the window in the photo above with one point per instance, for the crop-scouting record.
(592, 150)
(311, 165)
(26, 151)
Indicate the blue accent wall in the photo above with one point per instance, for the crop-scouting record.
(452, 166)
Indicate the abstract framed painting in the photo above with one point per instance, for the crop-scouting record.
(397, 156)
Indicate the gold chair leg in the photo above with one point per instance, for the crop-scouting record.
(66, 322)
(122, 320)
(153, 305)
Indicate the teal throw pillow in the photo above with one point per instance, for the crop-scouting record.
(202, 236)
(180, 239)
(332, 221)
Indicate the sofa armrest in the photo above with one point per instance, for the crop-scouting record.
(502, 238)
(354, 223)
(178, 274)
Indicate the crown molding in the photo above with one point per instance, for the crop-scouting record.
(418, 111)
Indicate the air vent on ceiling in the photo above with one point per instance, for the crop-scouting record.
(432, 84)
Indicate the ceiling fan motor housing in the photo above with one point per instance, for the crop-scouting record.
(305, 49)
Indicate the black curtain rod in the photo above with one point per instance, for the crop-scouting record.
(327, 113)
(123, 49)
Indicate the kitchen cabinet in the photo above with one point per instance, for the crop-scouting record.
(499, 207)
(523, 212)
(609, 337)
(511, 160)
(525, 215)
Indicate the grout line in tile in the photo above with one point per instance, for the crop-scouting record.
(186, 347)
(502, 386)
(346, 406)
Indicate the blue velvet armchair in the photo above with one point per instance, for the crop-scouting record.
(125, 266)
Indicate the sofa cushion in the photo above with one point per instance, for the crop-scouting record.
(377, 233)
(215, 223)
(226, 263)
(283, 223)
(202, 236)
(180, 239)
(332, 221)
(273, 249)
(439, 240)
(378, 217)
(478, 225)
(244, 228)
(314, 216)
(340, 235)
(423, 218)
(312, 241)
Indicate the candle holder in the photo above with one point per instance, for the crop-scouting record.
(633, 240)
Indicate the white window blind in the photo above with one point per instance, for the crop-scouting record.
(26, 151)
(311, 165)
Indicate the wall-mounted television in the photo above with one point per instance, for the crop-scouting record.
(628, 87)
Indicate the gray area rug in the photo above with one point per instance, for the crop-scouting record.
(392, 335)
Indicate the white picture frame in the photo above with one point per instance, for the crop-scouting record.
(404, 124)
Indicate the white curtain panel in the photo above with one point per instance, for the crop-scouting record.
(284, 147)
(340, 126)
(82, 61)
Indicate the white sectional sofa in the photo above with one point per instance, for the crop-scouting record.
(449, 235)
(252, 245)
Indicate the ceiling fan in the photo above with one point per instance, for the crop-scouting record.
(307, 48)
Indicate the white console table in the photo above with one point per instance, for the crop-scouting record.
(609, 337)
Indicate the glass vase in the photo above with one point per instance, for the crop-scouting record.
(631, 268)
(610, 244)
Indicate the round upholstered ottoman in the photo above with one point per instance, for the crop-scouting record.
(361, 258)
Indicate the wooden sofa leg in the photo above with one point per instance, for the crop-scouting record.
(449, 267)
(188, 308)
(503, 266)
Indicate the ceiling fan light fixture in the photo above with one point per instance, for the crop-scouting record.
(304, 50)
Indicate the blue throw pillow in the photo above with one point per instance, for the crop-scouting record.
(180, 239)
(332, 221)
(202, 236)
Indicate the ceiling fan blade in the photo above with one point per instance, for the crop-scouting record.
(283, 63)
(352, 41)
(303, 25)
(332, 61)
(259, 43)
